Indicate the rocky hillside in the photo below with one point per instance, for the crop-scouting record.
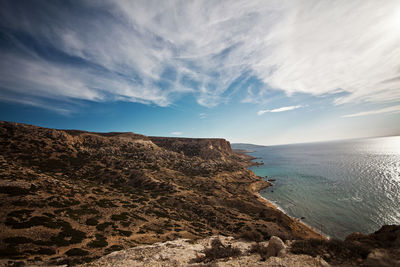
(191, 147)
(381, 248)
(72, 196)
(210, 251)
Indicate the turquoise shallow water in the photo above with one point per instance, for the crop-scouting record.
(338, 187)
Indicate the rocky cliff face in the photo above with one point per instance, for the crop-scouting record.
(72, 196)
(205, 148)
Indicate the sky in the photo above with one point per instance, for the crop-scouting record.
(263, 72)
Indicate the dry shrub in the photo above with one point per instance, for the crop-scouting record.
(259, 249)
(337, 248)
(252, 235)
(217, 251)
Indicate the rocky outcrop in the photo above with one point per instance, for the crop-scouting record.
(205, 148)
(377, 249)
(384, 245)
(381, 258)
(275, 246)
(183, 252)
(388, 236)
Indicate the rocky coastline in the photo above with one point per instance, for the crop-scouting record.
(257, 187)
(72, 197)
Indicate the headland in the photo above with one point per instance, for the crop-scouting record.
(71, 197)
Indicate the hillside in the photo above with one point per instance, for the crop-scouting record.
(71, 196)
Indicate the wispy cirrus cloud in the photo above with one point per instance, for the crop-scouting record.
(176, 133)
(282, 109)
(392, 109)
(153, 52)
(203, 115)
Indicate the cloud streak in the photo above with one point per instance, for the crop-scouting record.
(282, 109)
(392, 109)
(154, 52)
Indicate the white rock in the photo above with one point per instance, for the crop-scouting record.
(275, 245)
(380, 258)
(180, 253)
(282, 253)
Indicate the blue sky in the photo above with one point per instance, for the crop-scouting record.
(263, 72)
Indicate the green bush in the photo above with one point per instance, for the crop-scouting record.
(34, 221)
(68, 236)
(99, 242)
(43, 243)
(18, 240)
(20, 214)
(113, 248)
(14, 190)
(120, 217)
(252, 235)
(77, 213)
(21, 203)
(338, 248)
(106, 203)
(125, 233)
(59, 204)
(41, 251)
(76, 252)
(259, 249)
(92, 221)
(125, 224)
(9, 251)
(51, 215)
(103, 226)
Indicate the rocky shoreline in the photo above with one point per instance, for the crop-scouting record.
(258, 186)
(71, 197)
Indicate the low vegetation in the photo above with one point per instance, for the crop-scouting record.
(77, 252)
(333, 250)
(259, 249)
(217, 251)
(99, 242)
(102, 192)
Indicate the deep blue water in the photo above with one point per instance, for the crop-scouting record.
(338, 187)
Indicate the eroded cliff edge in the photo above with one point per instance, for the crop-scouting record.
(71, 196)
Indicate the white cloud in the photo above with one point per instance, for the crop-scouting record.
(282, 109)
(176, 133)
(36, 103)
(392, 109)
(203, 115)
(152, 52)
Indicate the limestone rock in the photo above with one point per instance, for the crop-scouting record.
(275, 245)
(181, 252)
(379, 257)
(296, 261)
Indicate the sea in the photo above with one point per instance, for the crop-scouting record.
(336, 187)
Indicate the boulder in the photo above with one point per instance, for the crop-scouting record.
(275, 245)
(379, 257)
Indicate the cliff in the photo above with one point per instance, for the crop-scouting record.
(71, 196)
(195, 147)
